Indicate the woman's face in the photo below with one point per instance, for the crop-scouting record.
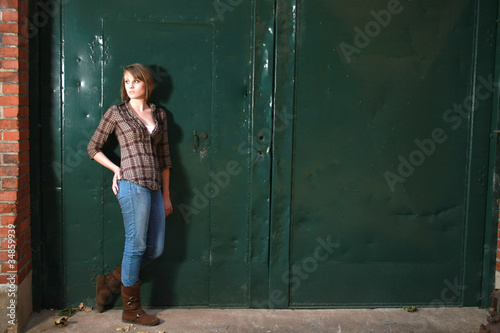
(135, 88)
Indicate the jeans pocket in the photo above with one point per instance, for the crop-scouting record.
(125, 203)
(123, 189)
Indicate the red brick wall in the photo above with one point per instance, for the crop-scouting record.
(15, 233)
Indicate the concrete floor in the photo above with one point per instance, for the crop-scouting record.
(432, 320)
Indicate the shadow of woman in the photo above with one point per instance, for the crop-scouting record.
(161, 274)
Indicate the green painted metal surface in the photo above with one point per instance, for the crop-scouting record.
(386, 150)
(319, 158)
(258, 152)
(283, 119)
(202, 58)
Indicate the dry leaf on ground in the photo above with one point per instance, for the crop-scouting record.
(126, 328)
(61, 322)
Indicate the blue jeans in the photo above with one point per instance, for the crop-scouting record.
(144, 221)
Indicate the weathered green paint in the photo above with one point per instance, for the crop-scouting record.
(300, 138)
(282, 153)
(204, 70)
(259, 156)
(400, 242)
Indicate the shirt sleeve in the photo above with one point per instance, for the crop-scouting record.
(101, 134)
(164, 149)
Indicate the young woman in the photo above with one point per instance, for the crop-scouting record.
(141, 184)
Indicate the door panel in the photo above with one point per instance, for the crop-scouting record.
(180, 63)
(380, 153)
(202, 66)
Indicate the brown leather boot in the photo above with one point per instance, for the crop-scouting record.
(105, 286)
(132, 310)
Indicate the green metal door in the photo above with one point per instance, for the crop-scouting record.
(325, 153)
(202, 56)
(387, 155)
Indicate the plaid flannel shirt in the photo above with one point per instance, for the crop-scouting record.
(143, 155)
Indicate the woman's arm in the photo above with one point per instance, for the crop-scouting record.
(165, 177)
(105, 128)
(165, 164)
(106, 162)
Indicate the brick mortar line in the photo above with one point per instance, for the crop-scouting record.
(6, 226)
(12, 106)
(14, 59)
(21, 131)
(9, 164)
(9, 154)
(14, 153)
(17, 262)
(17, 273)
(12, 177)
(14, 34)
